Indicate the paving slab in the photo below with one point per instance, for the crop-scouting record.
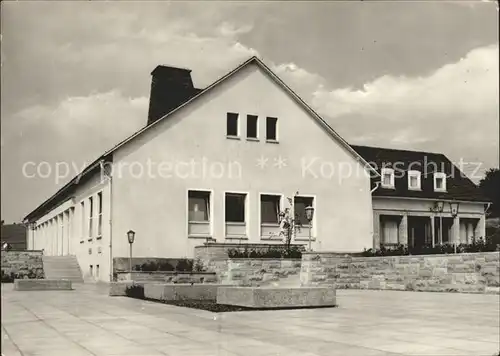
(366, 322)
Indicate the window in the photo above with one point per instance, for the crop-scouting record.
(91, 214)
(440, 182)
(199, 206)
(414, 180)
(271, 134)
(232, 124)
(199, 213)
(252, 126)
(300, 204)
(387, 178)
(269, 209)
(235, 208)
(91, 271)
(99, 214)
(82, 225)
(97, 271)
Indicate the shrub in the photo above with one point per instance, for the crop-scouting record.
(198, 265)
(184, 265)
(135, 291)
(271, 252)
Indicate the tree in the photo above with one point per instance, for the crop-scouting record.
(289, 223)
(490, 186)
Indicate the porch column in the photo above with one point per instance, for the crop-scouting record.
(403, 230)
(455, 231)
(433, 231)
(481, 228)
(376, 230)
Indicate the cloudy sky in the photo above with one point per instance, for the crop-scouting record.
(75, 75)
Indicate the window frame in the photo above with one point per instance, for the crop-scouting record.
(99, 214)
(238, 129)
(385, 171)
(251, 138)
(83, 220)
(439, 175)
(281, 200)
(246, 223)
(210, 214)
(314, 219)
(91, 217)
(418, 175)
(276, 138)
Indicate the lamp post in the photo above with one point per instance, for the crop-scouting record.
(309, 216)
(131, 237)
(454, 213)
(438, 208)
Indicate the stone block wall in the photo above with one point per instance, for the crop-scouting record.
(22, 265)
(257, 271)
(168, 277)
(468, 272)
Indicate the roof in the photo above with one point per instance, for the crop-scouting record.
(458, 185)
(65, 191)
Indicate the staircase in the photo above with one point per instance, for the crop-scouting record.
(62, 267)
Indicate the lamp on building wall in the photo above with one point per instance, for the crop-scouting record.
(131, 238)
(309, 211)
(454, 208)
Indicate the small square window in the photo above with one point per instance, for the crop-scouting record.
(387, 178)
(414, 180)
(440, 182)
(271, 131)
(232, 124)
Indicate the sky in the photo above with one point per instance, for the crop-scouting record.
(75, 76)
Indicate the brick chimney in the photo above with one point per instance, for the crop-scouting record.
(170, 87)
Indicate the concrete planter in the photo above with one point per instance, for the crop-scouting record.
(168, 277)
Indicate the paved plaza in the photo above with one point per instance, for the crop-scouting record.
(367, 323)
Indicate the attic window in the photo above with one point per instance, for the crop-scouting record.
(387, 178)
(271, 129)
(414, 180)
(440, 182)
(232, 125)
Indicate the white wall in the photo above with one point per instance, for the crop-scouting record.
(75, 239)
(156, 207)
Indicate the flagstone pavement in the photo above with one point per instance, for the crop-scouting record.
(86, 321)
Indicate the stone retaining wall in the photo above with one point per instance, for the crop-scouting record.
(255, 271)
(168, 277)
(468, 272)
(22, 265)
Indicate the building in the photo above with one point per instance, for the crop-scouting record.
(412, 188)
(212, 164)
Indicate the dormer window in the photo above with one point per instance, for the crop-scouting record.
(388, 178)
(414, 180)
(440, 182)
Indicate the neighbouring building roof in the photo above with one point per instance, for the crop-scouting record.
(458, 185)
(14, 234)
(65, 192)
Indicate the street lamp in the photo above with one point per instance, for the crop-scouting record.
(309, 216)
(439, 207)
(131, 237)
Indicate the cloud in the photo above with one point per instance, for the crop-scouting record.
(228, 29)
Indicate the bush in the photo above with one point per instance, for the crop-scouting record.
(271, 252)
(477, 245)
(153, 266)
(184, 265)
(135, 291)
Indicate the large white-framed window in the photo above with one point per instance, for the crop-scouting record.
(440, 182)
(235, 215)
(414, 180)
(387, 178)
(91, 217)
(300, 203)
(99, 215)
(270, 208)
(199, 213)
